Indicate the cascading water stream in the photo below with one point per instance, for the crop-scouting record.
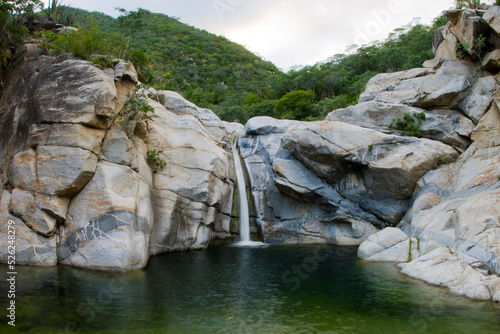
(242, 197)
(242, 194)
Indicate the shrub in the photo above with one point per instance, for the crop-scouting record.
(83, 43)
(409, 125)
(154, 158)
(295, 105)
(135, 109)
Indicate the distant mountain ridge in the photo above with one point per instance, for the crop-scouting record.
(204, 67)
(236, 84)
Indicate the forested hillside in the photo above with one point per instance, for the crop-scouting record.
(221, 75)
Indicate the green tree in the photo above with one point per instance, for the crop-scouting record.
(84, 43)
(295, 105)
(472, 4)
(13, 16)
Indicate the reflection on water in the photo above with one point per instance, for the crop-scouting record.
(277, 289)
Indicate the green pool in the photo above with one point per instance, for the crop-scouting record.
(276, 289)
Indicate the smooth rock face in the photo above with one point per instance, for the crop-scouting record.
(492, 18)
(425, 87)
(445, 43)
(117, 146)
(378, 172)
(58, 102)
(193, 193)
(115, 206)
(71, 135)
(175, 103)
(63, 171)
(491, 61)
(480, 98)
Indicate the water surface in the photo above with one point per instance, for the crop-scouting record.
(277, 289)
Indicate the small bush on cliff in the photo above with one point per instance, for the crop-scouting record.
(472, 4)
(295, 105)
(409, 125)
(13, 16)
(135, 109)
(154, 158)
(83, 43)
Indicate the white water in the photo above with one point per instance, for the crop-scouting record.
(242, 198)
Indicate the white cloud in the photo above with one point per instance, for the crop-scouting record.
(286, 32)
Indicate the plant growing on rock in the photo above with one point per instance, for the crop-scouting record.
(464, 48)
(13, 16)
(84, 43)
(409, 125)
(160, 98)
(153, 157)
(472, 4)
(441, 160)
(135, 109)
(7, 185)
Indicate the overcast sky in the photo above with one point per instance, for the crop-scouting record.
(287, 32)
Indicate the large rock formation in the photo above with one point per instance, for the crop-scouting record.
(92, 184)
(454, 214)
(327, 181)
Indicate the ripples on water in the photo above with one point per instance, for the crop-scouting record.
(275, 289)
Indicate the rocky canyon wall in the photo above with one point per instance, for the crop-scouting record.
(411, 173)
(80, 176)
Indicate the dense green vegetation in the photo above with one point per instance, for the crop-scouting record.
(216, 73)
(13, 17)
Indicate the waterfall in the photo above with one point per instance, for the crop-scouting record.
(242, 197)
(242, 194)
